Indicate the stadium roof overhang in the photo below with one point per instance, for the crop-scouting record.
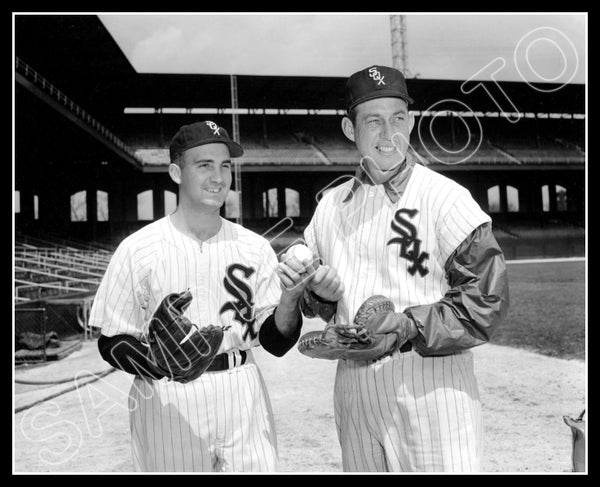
(213, 91)
(77, 54)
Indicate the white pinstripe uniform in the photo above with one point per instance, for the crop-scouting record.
(222, 421)
(404, 412)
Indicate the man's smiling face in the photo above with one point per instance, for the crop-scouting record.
(381, 133)
(206, 175)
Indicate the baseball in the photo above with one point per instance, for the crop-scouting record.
(299, 253)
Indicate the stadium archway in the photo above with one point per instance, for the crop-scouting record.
(554, 198)
(145, 210)
(512, 199)
(232, 205)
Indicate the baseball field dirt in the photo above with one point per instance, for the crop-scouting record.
(524, 397)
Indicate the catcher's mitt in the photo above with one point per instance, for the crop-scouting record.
(363, 340)
(178, 348)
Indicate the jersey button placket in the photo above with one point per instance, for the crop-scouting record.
(203, 291)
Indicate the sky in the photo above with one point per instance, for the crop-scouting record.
(508, 47)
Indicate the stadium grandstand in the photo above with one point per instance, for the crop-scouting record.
(91, 153)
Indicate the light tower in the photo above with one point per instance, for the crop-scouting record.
(237, 173)
(399, 43)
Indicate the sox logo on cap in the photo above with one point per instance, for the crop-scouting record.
(214, 127)
(376, 75)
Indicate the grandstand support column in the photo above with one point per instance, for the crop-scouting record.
(479, 192)
(116, 205)
(130, 203)
(250, 199)
(25, 217)
(576, 196)
(260, 189)
(92, 211)
(531, 195)
(306, 201)
(317, 184)
(54, 202)
(281, 206)
(158, 198)
(503, 198)
(552, 197)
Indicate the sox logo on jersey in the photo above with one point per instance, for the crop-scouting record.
(407, 240)
(403, 412)
(196, 426)
(243, 306)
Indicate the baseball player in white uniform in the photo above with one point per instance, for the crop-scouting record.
(222, 421)
(401, 230)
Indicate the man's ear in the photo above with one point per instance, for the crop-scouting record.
(411, 121)
(175, 173)
(348, 128)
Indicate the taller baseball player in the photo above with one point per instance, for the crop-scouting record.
(403, 231)
(222, 420)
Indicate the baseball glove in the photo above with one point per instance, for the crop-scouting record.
(366, 339)
(178, 348)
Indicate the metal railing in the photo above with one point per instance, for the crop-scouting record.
(35, 290)
(56, 276)
(46, 265)
(58, 95)
(89, 263)
(66, 262)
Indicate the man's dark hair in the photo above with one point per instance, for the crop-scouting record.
(351, 114)
(179, 160)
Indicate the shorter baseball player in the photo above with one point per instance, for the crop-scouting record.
(195, 275)
(413, 244)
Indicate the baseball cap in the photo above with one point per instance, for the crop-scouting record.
(200, 133)
(375, 82)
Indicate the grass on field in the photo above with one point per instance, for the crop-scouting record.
(547, 309)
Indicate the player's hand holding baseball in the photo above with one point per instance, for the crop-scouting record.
(294, 276)
(326, 283)
(301, 266)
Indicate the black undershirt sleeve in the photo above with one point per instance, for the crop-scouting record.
(128, 354)
(273, 341)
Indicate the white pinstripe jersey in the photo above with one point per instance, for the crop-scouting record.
(395, 249)
(231, 276)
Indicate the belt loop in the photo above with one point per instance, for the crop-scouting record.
(229, 360)
(235, 358)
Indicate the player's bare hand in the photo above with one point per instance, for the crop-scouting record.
(301, 262)
(294, 277)
(326, 283)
